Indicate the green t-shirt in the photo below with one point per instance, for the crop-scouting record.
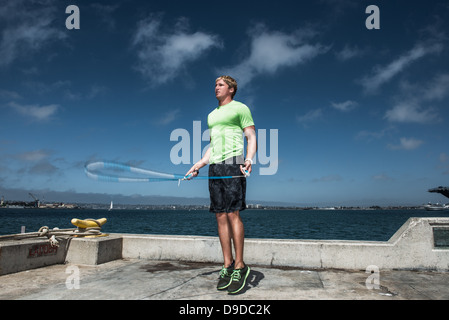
(226, 124)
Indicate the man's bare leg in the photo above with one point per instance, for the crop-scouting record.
(225, 235)
(230, 226)
(238, 236)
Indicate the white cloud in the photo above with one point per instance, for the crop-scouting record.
(43, 168)
(310, 116)
(274, 50)
(435, 89)
(382, 75)
(374, 135)
(36, 112)
(95, 91)
(162, 56)
(345, 106)
(35, 162)
(27, 26)
(409, 111)
(406, 144)
(33, 156)
(7, 94)
(444, 157)
(169, 117)
(409, 107)
(348, 53)
(438, 89)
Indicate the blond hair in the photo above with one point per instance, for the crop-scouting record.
(230, 82)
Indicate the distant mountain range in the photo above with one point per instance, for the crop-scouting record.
(83, 198)
(72, 197)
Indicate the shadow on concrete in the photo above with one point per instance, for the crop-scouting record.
(252, 281)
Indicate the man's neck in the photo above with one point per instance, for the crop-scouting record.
(224, 101)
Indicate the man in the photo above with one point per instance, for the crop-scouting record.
(225, 158)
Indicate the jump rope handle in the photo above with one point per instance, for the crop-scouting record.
(187, 177)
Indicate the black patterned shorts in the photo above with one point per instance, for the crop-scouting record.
(226, 195)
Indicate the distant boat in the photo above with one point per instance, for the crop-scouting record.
(436, 207)
(111, 206)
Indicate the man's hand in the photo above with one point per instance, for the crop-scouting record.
(193, 172)
(246, 168)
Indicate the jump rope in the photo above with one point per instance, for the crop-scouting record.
(116, 172)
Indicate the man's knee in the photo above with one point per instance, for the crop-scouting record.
(234, 217)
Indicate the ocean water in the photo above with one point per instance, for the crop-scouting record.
(369, 225)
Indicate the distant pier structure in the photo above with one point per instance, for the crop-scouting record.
(443, 190)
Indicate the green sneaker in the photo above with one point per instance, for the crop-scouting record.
(238, 279)
(225, 277)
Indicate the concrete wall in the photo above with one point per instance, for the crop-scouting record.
(413, 246)
(23, 255)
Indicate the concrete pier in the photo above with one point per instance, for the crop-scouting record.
(141, 279)
(413, 264)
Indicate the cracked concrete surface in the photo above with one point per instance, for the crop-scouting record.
(175, 280)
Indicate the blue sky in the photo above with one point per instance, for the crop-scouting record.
(361, 114)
